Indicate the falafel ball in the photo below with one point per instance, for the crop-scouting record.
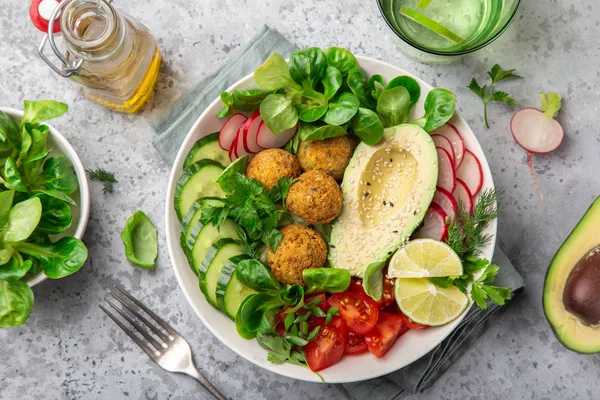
(315, 197)
(300, 248)
(270, 165)
(329, 155)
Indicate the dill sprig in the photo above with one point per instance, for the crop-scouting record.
(466, 238)
(104, 176)
(466, 235)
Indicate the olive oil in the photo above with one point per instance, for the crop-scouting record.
(121, 59)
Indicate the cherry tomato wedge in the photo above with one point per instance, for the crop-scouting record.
(358, 310)
(388, 292)
(384, 334)
(356, 344)
(410, 324)
(328, 347)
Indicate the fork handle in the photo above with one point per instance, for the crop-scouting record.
(193, 372)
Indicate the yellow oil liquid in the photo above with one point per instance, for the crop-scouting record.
(121, 71)
(140, 96)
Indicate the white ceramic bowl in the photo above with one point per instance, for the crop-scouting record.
(81, 212)
(409, 348)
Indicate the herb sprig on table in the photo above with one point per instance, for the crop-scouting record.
(466, 237)
(485, 93)
(104, 176)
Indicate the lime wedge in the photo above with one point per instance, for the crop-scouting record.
(425, 258)
(430, 24)
(427, 304)
(422, 4)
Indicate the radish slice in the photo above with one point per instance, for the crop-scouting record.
(230, 129)
(535, 131)
(240, 150)
(447, 202)
(446, 174)
(232, 150)
(434, 224)
(444, 143)
(250, 134)
(268, 140)
(458, 144)
(471, 173)
(463, 196)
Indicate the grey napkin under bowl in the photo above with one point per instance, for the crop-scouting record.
(172, 127)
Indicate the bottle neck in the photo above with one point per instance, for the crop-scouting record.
(92, 29)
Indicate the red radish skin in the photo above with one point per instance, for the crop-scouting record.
(471, 172)
(537, 132)
(229, 131)
(444, 143)
(434, 224)
(463, 196)
(450, 132)
(447, 202)
(240, 150)
(446, 174)
(242, 132)
(250, 144)
(232, 150)
(268, 140)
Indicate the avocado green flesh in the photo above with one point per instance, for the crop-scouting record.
(570, 330)
(386, 191)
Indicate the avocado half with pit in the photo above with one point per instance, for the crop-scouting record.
(386, 191)
(572, 286)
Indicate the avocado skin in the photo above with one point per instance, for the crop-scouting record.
(586, 235)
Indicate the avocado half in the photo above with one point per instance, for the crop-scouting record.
(572, 286)
(387, 189)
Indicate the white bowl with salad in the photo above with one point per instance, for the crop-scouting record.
(80, 206)
(330, 298)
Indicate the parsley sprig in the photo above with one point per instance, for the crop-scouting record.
(466, 237)
(104, 176)
(253, 208)
(485, 93)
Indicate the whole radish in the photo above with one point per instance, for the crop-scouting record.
(537, 131)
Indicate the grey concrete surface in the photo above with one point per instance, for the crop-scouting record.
(69, 350)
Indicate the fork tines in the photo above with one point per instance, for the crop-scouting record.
(153, 337)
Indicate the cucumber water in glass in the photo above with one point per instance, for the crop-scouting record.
(444, 30)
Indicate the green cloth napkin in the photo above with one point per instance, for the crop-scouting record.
(173, 126)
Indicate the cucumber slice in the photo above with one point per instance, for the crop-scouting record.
(203, 237)
(213, 263)
(192, 217)
(230, 291)
(207, 148)
(198, 180)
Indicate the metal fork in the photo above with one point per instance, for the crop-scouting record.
(166, 348)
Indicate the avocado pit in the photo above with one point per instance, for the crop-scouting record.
(581, 296)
